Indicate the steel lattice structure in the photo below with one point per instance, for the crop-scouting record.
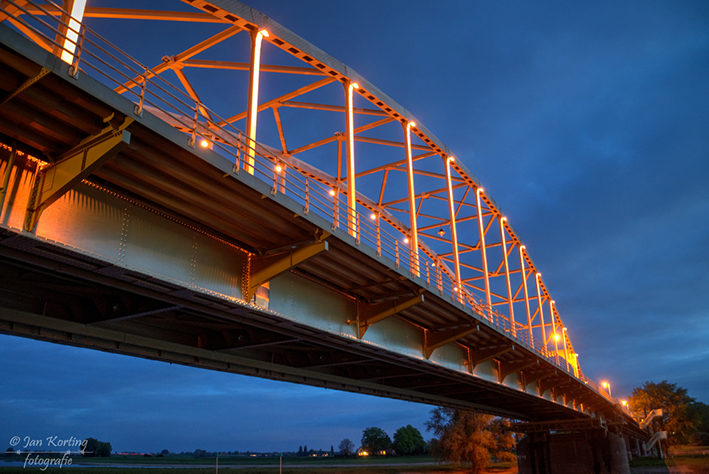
(363, 162)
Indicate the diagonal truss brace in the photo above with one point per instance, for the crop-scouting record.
(76, 164)
(264, 269)
(434, 339)
(28, 83)
(372, 314)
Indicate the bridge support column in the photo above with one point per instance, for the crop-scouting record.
(580, 452)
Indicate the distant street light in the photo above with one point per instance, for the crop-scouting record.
(608, 386)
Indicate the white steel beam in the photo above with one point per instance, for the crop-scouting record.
(252, 109)
(75, 8)
(523, 271)
(537, 279)
(351, 194)
(413, 237)
(454, 230)
(507, 275)
(481, 229)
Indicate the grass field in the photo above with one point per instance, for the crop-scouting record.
(431, 469)
(247, 461)
(377, 465)
(231, 470)
(694, 463)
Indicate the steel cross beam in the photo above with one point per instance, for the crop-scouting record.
(73, 166)
(370, 314)
(264, 269)
(165, 65)
(127, 14)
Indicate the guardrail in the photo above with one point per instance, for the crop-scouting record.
(88, 52)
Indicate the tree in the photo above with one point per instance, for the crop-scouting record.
(96, 448)
(375, 439)
(676, 418)
(699, 412)
(461, 437)
(505, 445)
(469, 437)
(408, 440)
(346, 447)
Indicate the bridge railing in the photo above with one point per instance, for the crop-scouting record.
(90, 53)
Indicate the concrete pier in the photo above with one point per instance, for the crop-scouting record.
(581, 452)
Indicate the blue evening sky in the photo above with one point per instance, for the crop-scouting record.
(588, 123)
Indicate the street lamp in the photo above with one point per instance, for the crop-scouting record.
(608, 386)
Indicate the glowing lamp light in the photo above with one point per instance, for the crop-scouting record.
(279, 168)
(523, 247)
(503, 219)
(355, 85)
(624, 402)
(264, 33)
(72, 34)
(204, 143)
(332, 192)
(539, 275)
(373, 216)
(451, 159)
(406, 240)
(481, 190)
(441, 232)
(605, 384)
(412, 124)
(556, 337)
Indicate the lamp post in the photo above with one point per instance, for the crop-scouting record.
(607, 386)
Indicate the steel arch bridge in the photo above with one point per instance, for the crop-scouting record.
(347, 246)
